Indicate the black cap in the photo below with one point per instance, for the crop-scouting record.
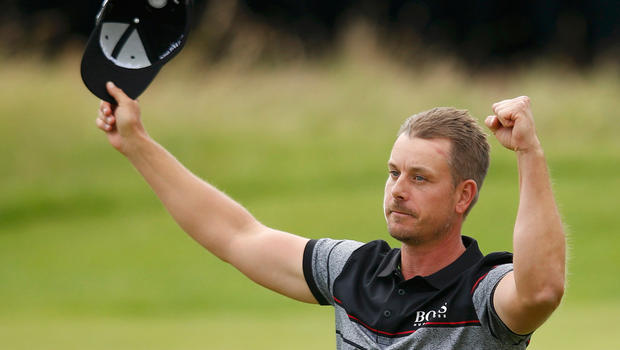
(131, 41)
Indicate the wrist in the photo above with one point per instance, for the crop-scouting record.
(532, 147)
(530, 153)
(135, 145)
(531, 157)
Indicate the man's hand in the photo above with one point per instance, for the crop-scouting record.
(121, 122)
(513, 124)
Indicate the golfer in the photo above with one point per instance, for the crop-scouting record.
(437, 291)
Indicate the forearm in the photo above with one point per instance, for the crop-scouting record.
(205, 213)
(539, 242)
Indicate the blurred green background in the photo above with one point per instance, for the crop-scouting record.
(89, 258)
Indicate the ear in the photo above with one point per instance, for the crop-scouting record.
(465, 193)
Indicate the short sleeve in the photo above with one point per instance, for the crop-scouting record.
(483, 302)
(322, 263)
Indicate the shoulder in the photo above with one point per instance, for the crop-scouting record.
(331, 253)
(494, 267)
(372, 253)
(323, 260)
(489, 271)
(368, 265)
(330, 250)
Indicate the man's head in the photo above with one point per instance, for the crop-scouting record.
(437, 167)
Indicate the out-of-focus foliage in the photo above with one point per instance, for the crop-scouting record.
(480, 33)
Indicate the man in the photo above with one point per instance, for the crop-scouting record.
(437, 291)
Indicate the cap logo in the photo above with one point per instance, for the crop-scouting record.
(121, 44)
(173, 46)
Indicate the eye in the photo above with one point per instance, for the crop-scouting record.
(419, 178)
(394, 173)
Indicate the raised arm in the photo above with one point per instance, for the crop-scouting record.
(525, 298)
(269, 257)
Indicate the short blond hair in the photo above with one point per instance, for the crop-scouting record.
(469, 151)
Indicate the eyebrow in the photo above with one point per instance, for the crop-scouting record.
(414, 169)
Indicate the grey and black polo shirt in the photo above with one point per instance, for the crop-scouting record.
(376, 308)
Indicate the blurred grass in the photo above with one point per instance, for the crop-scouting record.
(90, 259)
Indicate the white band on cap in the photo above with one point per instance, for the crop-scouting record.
(158, 3)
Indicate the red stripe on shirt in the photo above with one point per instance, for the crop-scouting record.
(460, 322)
(480, 279)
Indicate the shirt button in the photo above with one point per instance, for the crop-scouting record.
(387, 313)
(401, 291)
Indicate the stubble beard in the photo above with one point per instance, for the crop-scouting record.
(421, 233)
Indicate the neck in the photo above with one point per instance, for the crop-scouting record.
(430, 257)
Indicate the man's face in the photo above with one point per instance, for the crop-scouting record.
(420, 197)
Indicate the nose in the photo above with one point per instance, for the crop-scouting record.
(398, 189)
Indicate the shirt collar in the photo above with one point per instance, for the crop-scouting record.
(443, 277)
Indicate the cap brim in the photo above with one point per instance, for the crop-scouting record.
(97, 70)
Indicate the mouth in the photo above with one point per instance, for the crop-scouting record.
(399, 212)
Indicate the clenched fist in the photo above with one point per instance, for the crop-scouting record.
(513, 124)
